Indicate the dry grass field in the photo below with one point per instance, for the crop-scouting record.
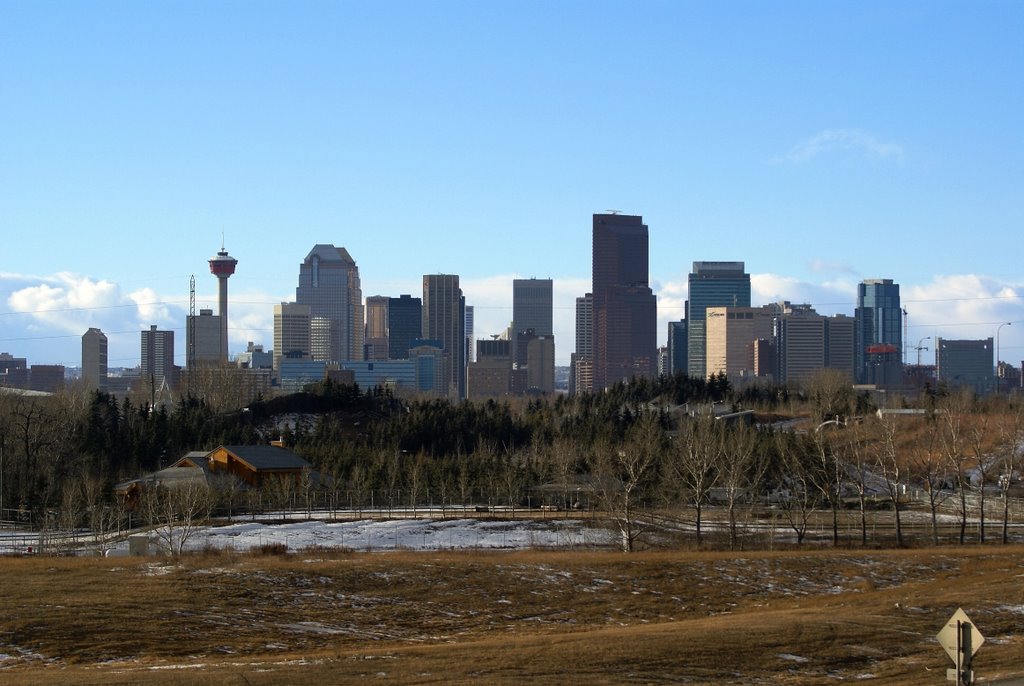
(319, 617)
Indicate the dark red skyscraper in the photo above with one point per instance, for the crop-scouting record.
(625, 308)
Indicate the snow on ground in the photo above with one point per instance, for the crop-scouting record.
(402, 534)
(363, 535)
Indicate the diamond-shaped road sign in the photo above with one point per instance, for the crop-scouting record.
(969, 642)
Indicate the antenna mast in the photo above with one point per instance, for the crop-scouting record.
(191, 357)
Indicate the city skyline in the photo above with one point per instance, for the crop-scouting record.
(821, 145)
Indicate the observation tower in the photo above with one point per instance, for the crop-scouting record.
(223, 266)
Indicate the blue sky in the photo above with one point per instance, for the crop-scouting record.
(821, 143)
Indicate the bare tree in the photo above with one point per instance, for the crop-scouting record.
(826, 473)
(740, 472)
(463, 478)
(176, 513)
(856, 453)
(1011, 444)
(831, 395)
(984, 464)
(890, 468)
(358, 487)
(307, 486)
(392, 474)
(931, 469)
(953, 440)
(798, 500)
(445, 485)
(565, 459)
(693, 467)
(623, 473)
(227, 489)
(511, 478)
(71, 506)
(416, 478)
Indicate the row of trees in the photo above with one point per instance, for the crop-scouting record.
(631, 449)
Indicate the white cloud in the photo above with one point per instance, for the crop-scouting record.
(962, 305)
(828, 298)
(66, 301)
(843, 140)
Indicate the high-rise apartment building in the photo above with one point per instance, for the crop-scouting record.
(879, 336)
(405, 324)
(444, 319)
(157, 359)
(329, 285)
(711, 284)
(625, 309)
(375, 341)
(94, 359)
(292, 333)
(581, 364)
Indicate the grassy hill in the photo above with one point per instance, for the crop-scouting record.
(327, 617)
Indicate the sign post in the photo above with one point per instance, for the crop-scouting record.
(961, 640)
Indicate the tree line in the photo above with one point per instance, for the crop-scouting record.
(638, 448)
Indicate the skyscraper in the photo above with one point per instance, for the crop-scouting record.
(444, 320)
(292, 337)
(965, 364)
(157, 353)
(405, 324)
(677, 347)
(731, 335)
(468, 333)
(581, 362)
(206, 332)
(800, 344)
(532, 311)
(375, 342)
(532, 306)
(489, 376)
(625, 308)
(711, 284)
(879, 337)
(329, 285)
(94, 359)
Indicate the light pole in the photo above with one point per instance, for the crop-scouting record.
(920, 347)
(998, 329)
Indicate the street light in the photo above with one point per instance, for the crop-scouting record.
(998, 329)
(920, 347)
